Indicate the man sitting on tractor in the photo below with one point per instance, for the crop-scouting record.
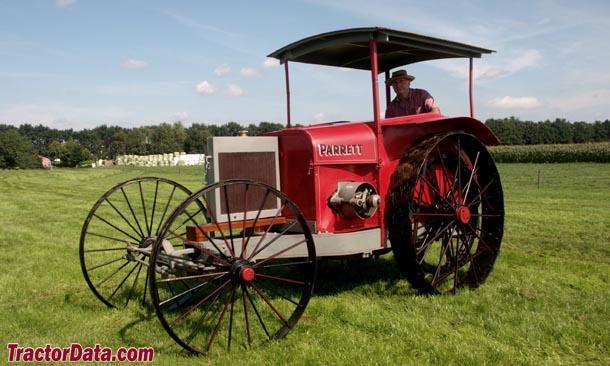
(408, 101)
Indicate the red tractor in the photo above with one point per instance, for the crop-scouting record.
(235, 262)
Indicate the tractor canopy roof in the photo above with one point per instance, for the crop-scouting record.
(350, 48)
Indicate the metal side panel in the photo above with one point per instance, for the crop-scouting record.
(327, 245)
(254, 158)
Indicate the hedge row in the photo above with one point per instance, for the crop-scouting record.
(565, 153)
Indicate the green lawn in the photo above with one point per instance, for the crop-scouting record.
(546, 302)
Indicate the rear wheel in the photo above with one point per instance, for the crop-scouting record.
(238, 277)
(446, 214)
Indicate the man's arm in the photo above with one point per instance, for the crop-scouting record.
(431, 105)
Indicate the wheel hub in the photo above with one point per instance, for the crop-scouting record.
(242, 271)
(463, 214)
(247, 274)
(147, 242)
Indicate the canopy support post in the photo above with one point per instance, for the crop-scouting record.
(287, 94)
(387, 89)
(470, 91)
(378, 133)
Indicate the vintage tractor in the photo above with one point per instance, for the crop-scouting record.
(235, 262)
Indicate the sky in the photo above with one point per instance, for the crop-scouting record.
(82, 63)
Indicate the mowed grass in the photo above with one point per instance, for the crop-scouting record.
(546, 302)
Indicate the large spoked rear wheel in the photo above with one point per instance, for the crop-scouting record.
(446, 214)
(232, 278)
(118, 235)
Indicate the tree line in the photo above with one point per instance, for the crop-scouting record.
(513, 131)
(21, 146)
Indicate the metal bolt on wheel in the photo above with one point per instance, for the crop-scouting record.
(236, 277)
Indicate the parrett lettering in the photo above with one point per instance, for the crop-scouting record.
(340, 150)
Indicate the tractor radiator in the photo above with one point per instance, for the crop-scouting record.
(253, 158)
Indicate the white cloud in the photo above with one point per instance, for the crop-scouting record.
(319, 117)
(181, 116)
(134, 64)
(250, 72)
(222, 70)
(485, 70)
(234, 90)
(529, 58)
(64, 3)
(271, 63)
(514, 102)
(205, 88)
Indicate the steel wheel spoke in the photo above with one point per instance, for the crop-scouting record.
(133, 285)
(287, 264)
(123, 281)
(479, 196)
(192, 308)
(190, 290)
(105, 249)
(111, 275)
(268, 302)
(213, 216)
(243, 299)
(123, 217)
(144, 208)
(231, 314)
(201, 208)
(258, 213)
(224, 310)
(229, 220)
(438, 235)
(280, 252)
(165, 210)
(133, 213)
(440, 260)
(281, 279)
(260, 319)
(175, 279)
(210, 253)
(152, 216)
(436, 190)
(243, 224)
(275, 292)
(472, 173)
(267, 231)
(106, 263)
(258, 250)
(115, 227)
(202, 319)
(455, 272)
(488, 248)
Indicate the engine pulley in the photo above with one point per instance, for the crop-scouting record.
(355, 200)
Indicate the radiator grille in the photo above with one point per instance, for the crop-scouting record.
(253, 158)
(259, 166)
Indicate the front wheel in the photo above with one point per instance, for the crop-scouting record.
(234, 265)
(446, 214)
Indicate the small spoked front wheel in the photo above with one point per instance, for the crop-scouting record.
(119, 233)
(234, 265)
(446, 214)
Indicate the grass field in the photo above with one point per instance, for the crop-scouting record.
(546, 302)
